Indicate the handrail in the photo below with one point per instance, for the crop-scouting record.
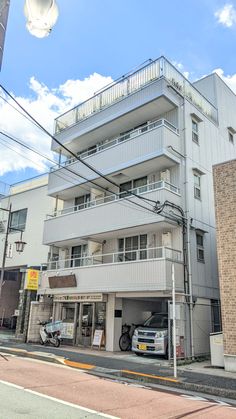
(117, 140)
(150, 187)
(117, 257)
(131, 84)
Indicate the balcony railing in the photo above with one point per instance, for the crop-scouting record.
(151, 187)
(132, 83)
(120, 139)
(118, 257)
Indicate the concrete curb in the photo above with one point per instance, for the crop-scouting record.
(132, 376)
(33, 355)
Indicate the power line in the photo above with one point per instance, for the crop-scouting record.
(71, 171)
(72, 153)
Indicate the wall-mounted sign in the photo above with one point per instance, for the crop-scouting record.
(9, 252)
(93, 298)
(32, 280)
(62, 281)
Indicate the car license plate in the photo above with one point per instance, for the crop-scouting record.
(142, 347)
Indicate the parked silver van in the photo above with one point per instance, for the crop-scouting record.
(152, 337)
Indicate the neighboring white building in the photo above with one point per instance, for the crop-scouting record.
(158, 135)
(29, 208)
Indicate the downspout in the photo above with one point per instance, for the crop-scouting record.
(188, 261)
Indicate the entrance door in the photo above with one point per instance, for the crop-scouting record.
(87, 324)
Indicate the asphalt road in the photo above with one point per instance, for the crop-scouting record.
(147, 365)
(34, 389)
(18, 403)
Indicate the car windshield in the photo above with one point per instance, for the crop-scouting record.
(157, 320)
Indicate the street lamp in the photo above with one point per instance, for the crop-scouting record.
(41, 16)
(19, 245)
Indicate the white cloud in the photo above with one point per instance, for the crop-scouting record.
(229, 80)
(180, 67)
(226, 16)
(45, 105)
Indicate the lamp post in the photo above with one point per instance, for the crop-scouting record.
(19, 245)
(41, 16)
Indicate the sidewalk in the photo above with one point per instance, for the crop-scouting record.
(198, 376)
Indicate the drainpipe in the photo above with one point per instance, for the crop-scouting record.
(189, 267)
(188, 261)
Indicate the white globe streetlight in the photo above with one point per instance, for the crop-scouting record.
(41, 16)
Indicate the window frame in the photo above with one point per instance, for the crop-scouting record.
(195, 132)
(200, 246)
(18, 227)
(132, 182)
(197, 186)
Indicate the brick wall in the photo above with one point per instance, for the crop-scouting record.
(225, 204)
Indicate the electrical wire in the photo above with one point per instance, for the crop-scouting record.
(92, 168)
(69, 178)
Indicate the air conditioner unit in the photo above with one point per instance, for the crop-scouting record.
(165, 175)
(166, 239)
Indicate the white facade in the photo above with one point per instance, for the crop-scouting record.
(158, 135)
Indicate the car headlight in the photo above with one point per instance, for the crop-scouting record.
(136, 332)
(161, 334)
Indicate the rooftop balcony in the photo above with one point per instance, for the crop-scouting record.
(105, 215)
(131, 84)
(147, 269)
(152, 141)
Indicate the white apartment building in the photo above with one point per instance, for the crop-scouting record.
(153, 137)
(30, 205)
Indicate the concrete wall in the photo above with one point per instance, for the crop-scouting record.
(38, 312)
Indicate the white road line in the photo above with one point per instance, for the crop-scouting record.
(85, 409)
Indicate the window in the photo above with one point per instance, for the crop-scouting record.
(231, 137)
(216, 316)
(133, 184)
(18, 220)
(130, 248)
(195, 134)
(81, 202)
(200, 246)
(197, 186)
(124, 188)
(77, 255)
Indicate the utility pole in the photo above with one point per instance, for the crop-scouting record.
(174, 319)
(5, 249)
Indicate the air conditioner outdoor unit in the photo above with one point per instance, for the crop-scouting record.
(167, 239)
(165, 175)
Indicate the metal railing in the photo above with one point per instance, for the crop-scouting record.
(151, 187)
(117, 257)
(115, 141)
(130, 84)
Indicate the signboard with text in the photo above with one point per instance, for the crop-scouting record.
(32, 279)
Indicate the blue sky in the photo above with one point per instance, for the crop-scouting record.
(106, 38)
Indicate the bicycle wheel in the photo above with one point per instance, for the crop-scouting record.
(125, 342)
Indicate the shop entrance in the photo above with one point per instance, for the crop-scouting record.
(80, 320)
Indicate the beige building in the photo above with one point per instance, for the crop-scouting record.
(225, 203)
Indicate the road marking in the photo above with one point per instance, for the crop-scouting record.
(76, 406)
(172, 380)
(78, 365)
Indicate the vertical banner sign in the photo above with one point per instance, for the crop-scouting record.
(32, 280)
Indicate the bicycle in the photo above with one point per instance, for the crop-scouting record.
(125, 341)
